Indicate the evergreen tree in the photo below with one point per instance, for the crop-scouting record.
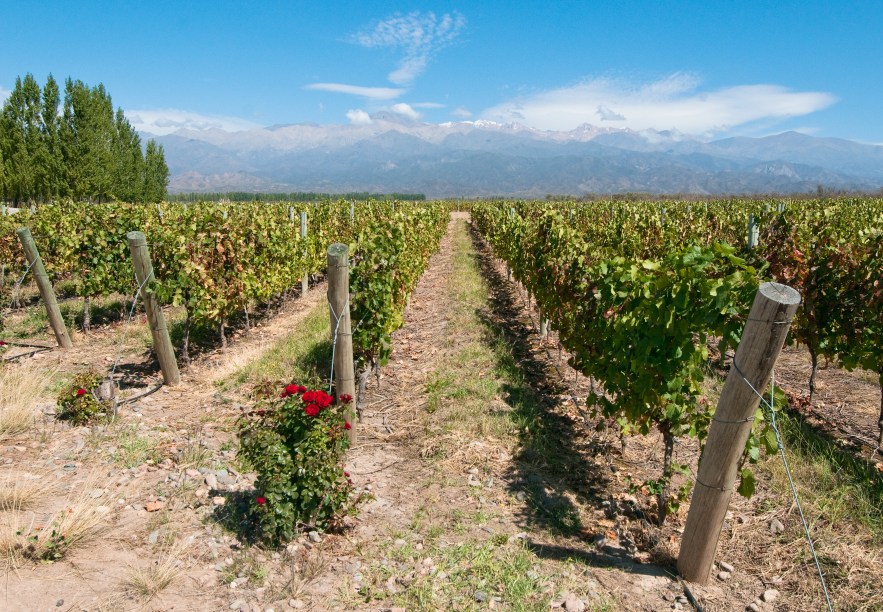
(156, 173)
(128, 175)
(20, 142)
(87, 140)
(51, 183)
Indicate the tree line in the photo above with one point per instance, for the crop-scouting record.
(77, 147)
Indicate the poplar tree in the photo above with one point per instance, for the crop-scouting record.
(156, 173)
(86, 151)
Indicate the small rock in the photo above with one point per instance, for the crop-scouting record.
(297, 604)
(211, 481)
(191, 473)
(219, 501)
(479, 596)
(769, 595)
(314, 537)
(153, 506)
(682, 599)
(521, 496)
(776, 526)
(753, 607)
(473, 471)
(235, 605)
(153, 537)
(59, 603)
(428, 562)
(723, 575)
(726, 567)
(668, 597)
(572, 603)
(677, 606)
(399, 543)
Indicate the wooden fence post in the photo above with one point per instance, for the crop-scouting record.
(762, 339)
(162, 344)
(341, 330)
(305, 282)
(753, 232)
(56, 321)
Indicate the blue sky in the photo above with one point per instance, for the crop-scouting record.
(714, 69)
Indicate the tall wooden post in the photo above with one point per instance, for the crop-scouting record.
(305, 282)
(46, 292)
(341, 330)
(753, 232)
(762, 339)
(162, 344)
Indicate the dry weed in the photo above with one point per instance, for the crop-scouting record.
(80, 521)
(21, 389)
(22, 493)
(146, 583)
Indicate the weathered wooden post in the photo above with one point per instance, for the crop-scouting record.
(162, 344)
(341, 331)
(56, 321)
(508, 267)
(762, 339)
(305, 281)
(753, 232)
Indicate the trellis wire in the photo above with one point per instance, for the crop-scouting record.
(771, 407)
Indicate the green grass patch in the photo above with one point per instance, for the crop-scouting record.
(833, 482)
(303, 356)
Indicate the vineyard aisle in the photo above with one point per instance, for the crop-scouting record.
(467, 510)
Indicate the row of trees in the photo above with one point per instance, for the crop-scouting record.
(77, 148)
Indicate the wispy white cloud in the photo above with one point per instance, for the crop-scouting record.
(419, 35)
(405, 110)
(358, 117)
(427, 105)
(461, 112)
(674, 102)
(161, 122)
(372, 93)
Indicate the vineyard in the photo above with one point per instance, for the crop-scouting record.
(644, 304)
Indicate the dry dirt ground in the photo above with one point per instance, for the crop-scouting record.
(448, 515)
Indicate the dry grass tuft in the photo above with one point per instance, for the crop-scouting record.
(21, 389)
(146, 583)
(24, 534)
(22, 494)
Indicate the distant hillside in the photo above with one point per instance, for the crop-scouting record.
(481, 158)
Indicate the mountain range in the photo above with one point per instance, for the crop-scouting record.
(393, 153)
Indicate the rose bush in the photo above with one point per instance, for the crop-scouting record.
(296, 444)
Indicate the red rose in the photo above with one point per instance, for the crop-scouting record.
(346, 398)
(312, 410)
(301, 389)
(323, 399)
(81, 392)
(261, 501)
(2, 343)
(347, 425)
(289, 390)
(309, 396)
(345, 473)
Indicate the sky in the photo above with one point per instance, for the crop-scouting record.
(708, 69)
